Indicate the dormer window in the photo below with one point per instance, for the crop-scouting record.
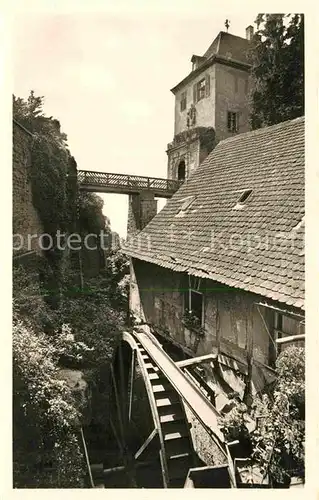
(245, 195)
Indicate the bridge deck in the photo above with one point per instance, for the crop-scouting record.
(105, 182)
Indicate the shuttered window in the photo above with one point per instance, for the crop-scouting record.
(232, 121)
(201, 89)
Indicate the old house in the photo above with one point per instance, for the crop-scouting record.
(211, 102)
(221, 268)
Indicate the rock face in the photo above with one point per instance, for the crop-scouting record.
(80, 390)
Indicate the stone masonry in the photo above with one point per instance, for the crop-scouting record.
(26, 221)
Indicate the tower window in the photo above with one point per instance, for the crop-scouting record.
(181, 171)
(183, 102)
(200, 89)
(232, 121)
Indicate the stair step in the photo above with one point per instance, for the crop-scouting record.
(170, 413)
(151, 366)
(176, 448)
(155, 376)
(166, 398)
(172, 426)
(175, 435)
(179, 467)
(160, 386)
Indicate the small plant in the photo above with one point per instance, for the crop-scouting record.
(279, 439)
(233, 424)
(193, 323)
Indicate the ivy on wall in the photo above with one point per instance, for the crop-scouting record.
(51, 163)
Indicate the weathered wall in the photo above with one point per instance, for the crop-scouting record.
(233, 323)
(25, 217)
(232, 88)
(190, 153)
(142, 208)
(192, 147)
(205, 108)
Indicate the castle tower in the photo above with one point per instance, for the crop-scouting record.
(211, 102)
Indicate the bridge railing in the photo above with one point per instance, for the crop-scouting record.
(87, 177)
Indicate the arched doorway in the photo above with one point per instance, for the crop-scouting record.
(181, 171)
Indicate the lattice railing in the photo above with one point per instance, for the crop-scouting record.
(87, 177)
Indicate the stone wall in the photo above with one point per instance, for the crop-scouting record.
(26, 220)
(205, 108)
(232, 90)
(142, 208)
(192, 147)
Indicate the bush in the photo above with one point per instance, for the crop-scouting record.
(46, 421)
(279, 440)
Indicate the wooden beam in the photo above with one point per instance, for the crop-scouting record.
(87, 460)
(118, 407)
(131, 385)
(196, 361)
(146, 443)
(122, 468)
(291, 338)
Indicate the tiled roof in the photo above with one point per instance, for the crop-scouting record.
(257, 246)
(230, 46)
(225, 49)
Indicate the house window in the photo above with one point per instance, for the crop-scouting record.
(232, 121)
(183, 101)
(194, 303)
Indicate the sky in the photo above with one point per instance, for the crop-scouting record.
(106, 76)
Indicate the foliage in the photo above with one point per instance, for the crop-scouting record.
(43, 404)
(279, 440)
(81, 333)
(193, 323)
(49, 165)
(91, 218)
(28, 302)
(233, 424)
(278, 69)
(94, 322)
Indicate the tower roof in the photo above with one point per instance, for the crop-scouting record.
(226, 49)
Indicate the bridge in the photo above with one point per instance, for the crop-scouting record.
(105, 182)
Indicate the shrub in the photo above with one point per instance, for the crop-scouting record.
(44, 412)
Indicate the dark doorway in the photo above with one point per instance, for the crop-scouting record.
(181, 171)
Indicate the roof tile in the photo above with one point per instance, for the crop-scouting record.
(258, 248)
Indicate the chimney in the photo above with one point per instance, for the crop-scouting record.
(249, 32)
